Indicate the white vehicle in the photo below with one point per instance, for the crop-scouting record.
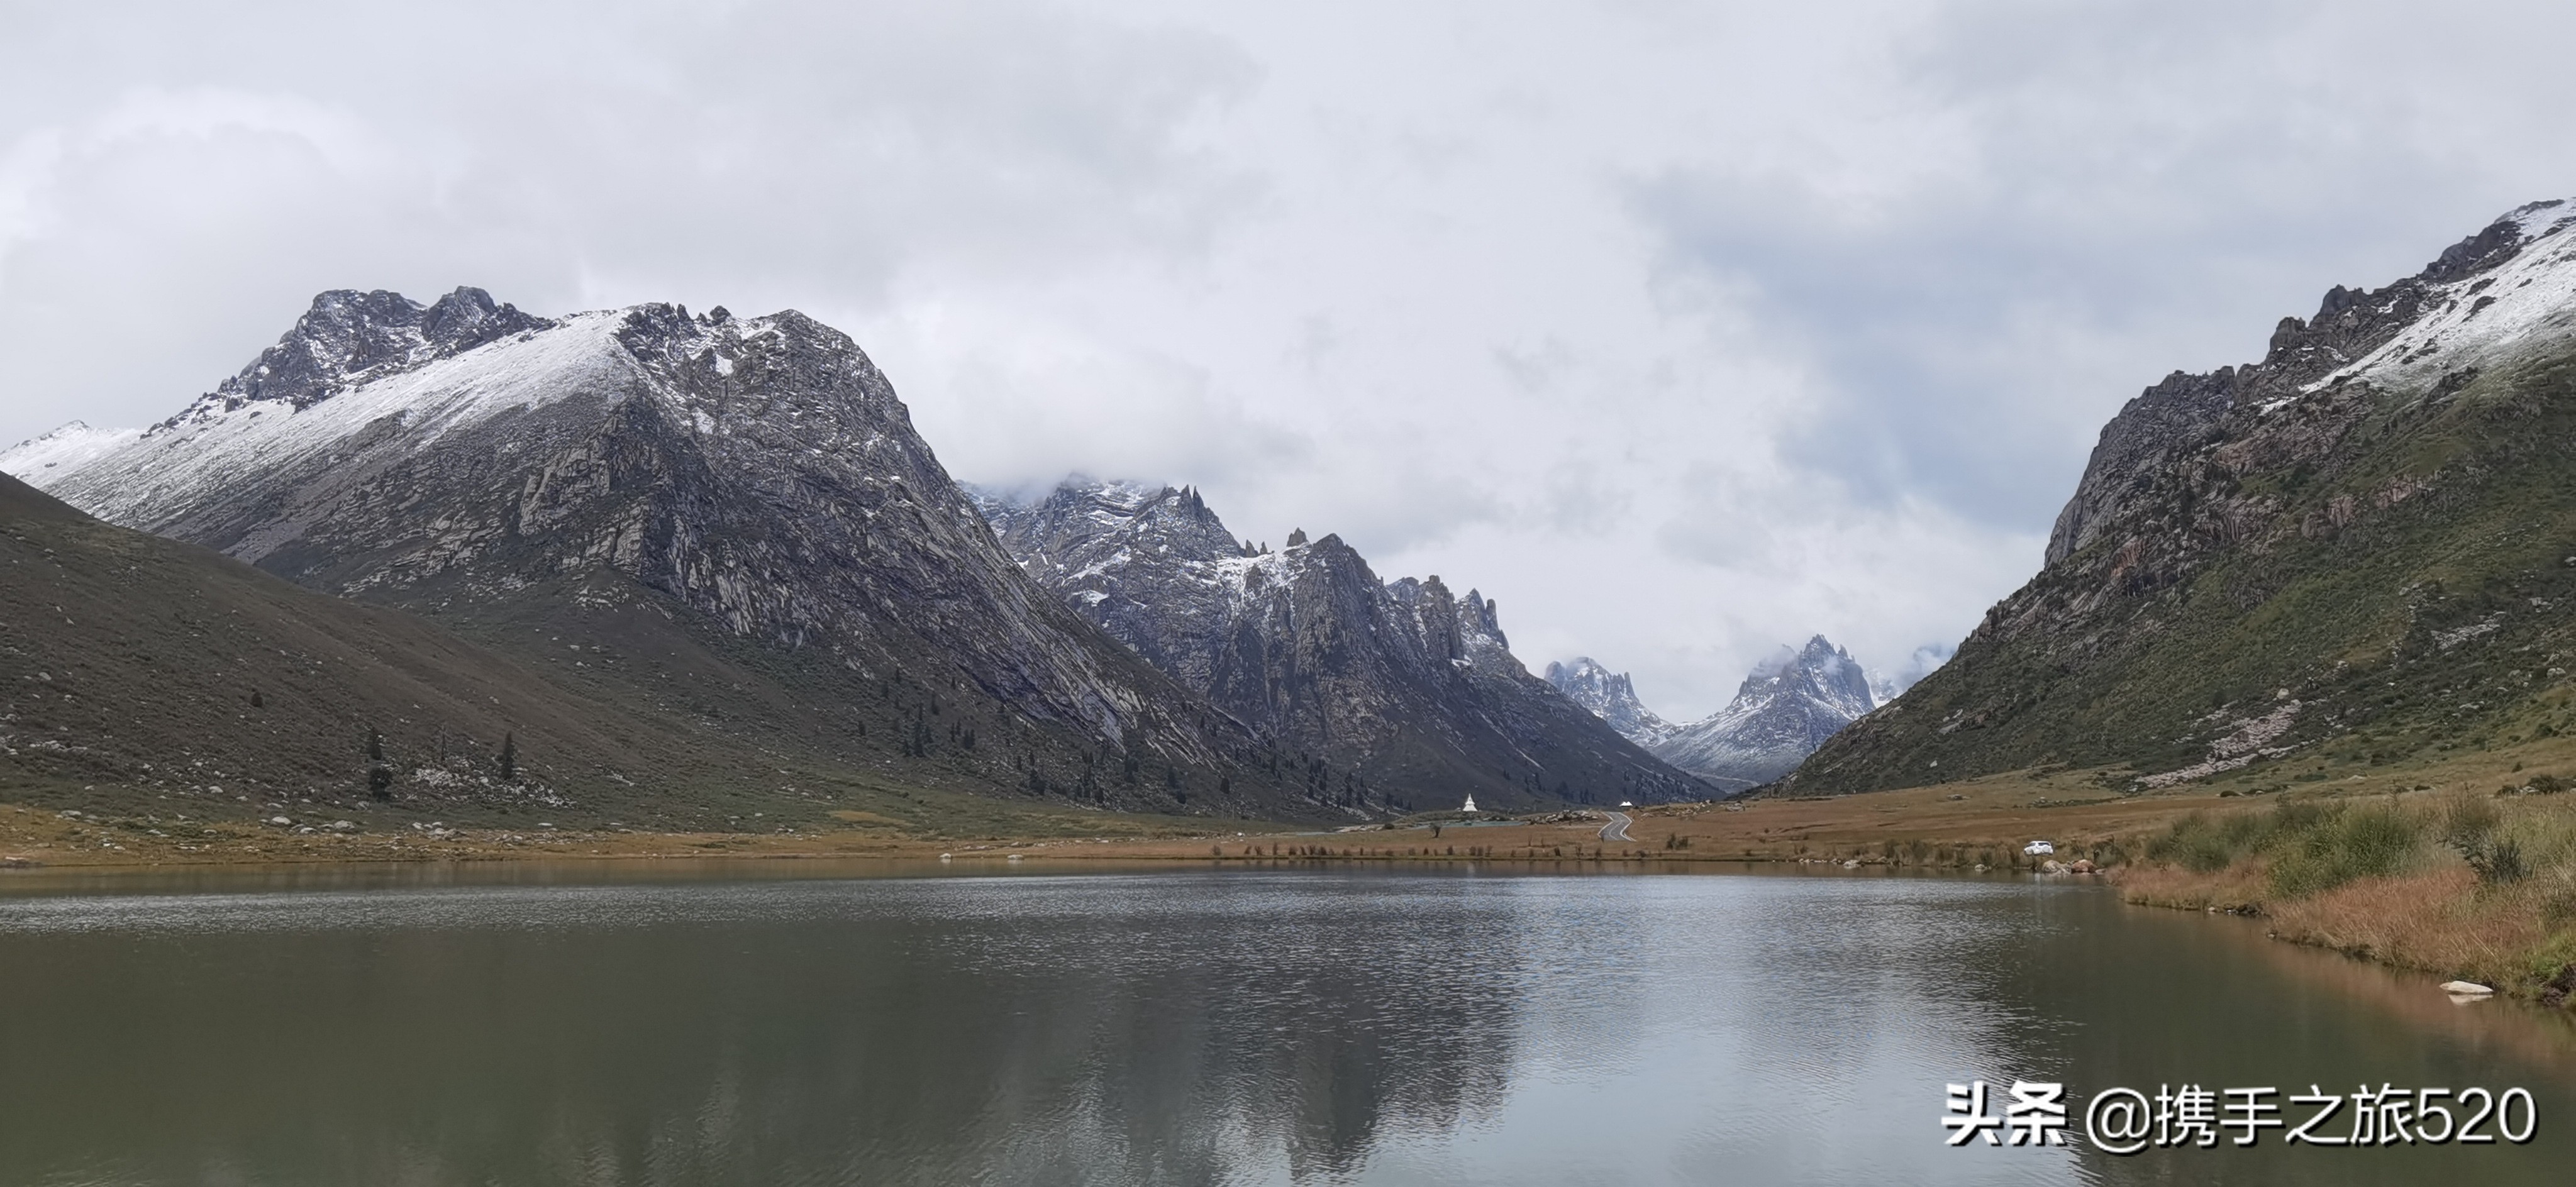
(2039, 849)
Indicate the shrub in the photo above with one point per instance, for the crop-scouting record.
(2497, 861)
(2341, 846)
(2313, 846)
(2468, 821)
(2195, 843)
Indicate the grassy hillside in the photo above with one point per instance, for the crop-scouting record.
(2360, 579)
(139, 674)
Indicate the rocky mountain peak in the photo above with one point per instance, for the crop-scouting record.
(2333, 487)
(1787, 706)
(1480, 632)
(2483, 302)
(1088, 524)
(1819, 672)
(715, 482)
(1404, 687)
(348, 337)
(1611, 697)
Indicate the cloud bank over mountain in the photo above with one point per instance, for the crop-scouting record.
(1686, 328)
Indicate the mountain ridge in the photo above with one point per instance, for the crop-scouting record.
(2346, 552)
(1404, 687)
(671, 489)
(1785, 708)
(1611, 696)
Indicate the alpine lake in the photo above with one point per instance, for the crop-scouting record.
(807, 1022)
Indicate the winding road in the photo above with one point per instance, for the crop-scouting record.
(1617, 829)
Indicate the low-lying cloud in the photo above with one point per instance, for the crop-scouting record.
(1686, 331)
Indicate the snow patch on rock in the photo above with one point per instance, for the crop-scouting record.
(59, 453)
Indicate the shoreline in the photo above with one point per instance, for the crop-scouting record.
(1954, 826)
(2430, 921)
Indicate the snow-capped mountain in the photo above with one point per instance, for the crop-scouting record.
(1399, 689)
(2348, 538)
(1786, 708)
(1611, 698)
(1887, 684)
(1780, 715)
(65, 449)
(2492, 299)
(747, 491)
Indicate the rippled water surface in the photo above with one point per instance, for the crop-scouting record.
(1237, 1026)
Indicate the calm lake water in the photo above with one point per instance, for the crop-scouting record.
(1221, 1026)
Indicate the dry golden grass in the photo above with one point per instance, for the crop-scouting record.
(2451, 905)
(1951, 825)
(2236, 889)
(2431, 914)
(2439, 921)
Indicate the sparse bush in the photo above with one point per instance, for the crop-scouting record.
(2468, 821)
(2195, 843)
(2497, 861)
(2353, 843)
(2374, 876)
(2311, 846)
(2469, 826)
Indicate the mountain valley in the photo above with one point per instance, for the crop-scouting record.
(2359, 551)
(1398, 684)
(1783, 711)
(725, 520)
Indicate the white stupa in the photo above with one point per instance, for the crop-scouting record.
(1471, 805)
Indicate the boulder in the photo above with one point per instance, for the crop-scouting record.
(2466, 989)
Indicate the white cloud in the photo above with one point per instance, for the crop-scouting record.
(1685, 330)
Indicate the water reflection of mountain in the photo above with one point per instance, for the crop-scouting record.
(1240, 1026)
(929, 1032)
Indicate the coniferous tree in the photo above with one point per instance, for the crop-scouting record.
(509, 758)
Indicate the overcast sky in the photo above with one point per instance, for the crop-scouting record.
(1685, 330)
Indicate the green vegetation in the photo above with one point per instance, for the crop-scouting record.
(127, 663)
(2382, 579)
(2474, 884)
(2309, 846)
